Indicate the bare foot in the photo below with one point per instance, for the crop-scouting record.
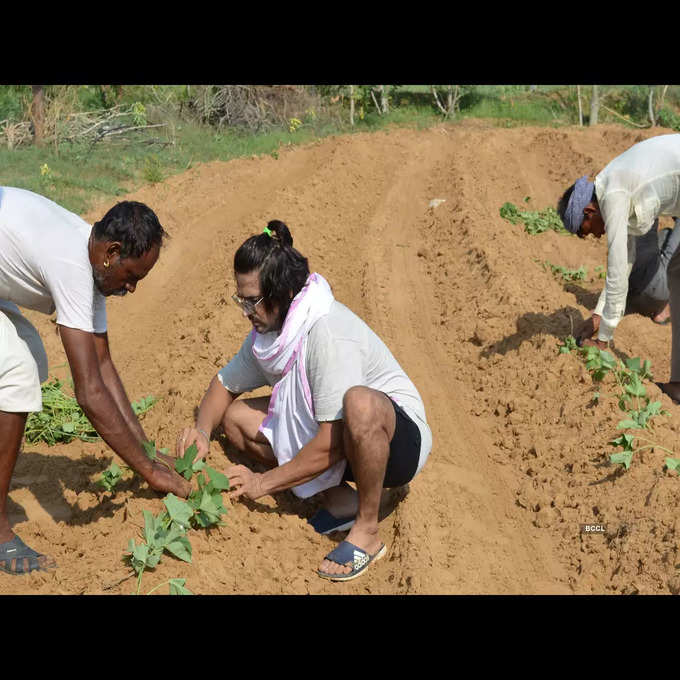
(664, 316)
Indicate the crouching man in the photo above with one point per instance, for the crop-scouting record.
(341, 408)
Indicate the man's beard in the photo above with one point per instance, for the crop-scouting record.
(99, 285)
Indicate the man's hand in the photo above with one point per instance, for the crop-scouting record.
(587, 329)
(244, 482)
(166, 480)
(189, 436)
(594, 342)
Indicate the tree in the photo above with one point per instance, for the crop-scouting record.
(383, 99)
(351, 105)
(452, 98)
(38, 114)
(594, 105)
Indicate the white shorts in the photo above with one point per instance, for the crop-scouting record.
(23, 362)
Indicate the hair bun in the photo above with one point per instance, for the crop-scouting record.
(280, 232)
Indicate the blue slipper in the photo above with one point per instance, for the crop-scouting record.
(347, 554)
(323, 522)
(16, 551)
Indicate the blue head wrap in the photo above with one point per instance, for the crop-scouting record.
(579, 199)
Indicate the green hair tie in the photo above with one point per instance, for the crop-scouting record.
(269, 232)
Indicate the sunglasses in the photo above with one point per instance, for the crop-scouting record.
(246, 304)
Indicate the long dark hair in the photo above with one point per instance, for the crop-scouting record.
(283, 270)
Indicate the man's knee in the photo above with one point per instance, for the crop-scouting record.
(366, 411)
(231, 421)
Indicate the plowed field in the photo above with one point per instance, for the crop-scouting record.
(520, 453)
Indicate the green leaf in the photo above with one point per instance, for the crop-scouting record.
(633, 364)
(217, 479)
(625, 440)
(672, 463)
(180, 548)
(177, 587)
(629, 423)
(184, 464)
(622, 458)
(179, 510)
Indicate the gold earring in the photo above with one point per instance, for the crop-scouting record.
(106, 264)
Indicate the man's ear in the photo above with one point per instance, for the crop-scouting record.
(113, 249)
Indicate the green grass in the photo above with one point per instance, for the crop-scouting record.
(77, 175)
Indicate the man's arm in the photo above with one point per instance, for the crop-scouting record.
(114, 384)
(620, 258)
(100, 406)
(319, 454)
(214, 405)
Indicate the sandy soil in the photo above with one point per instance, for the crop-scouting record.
(519, 457)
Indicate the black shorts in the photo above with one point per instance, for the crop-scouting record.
(404, 452)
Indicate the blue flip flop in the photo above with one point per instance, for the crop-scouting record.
(323, 522)
(348, 554)
(16, 550)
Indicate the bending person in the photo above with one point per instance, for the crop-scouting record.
(624, 201)
(51, 259)
(648, 281)
(341, 408)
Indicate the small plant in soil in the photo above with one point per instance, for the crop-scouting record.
(632, 399)
(535, 221)
(566, 274)
(110, 477)
(168, 531)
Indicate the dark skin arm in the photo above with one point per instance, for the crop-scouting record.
(115, 385)
(585, 333)
(100, 394)
(323, 451)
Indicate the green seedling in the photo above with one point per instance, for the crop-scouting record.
(601, 272)
(167, 532)
(632, 398)
(639, 418)
(535, 221)
(569, 345)
(186, 466)
(162, 533)
(598, 361)
(143, 405)
(206, 502)
(110, 477)
(566, 274)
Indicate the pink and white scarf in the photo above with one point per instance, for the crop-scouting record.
(290, 422)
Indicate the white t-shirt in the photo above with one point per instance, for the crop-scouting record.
(44, 262)
(342, 351)
(632, 191)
